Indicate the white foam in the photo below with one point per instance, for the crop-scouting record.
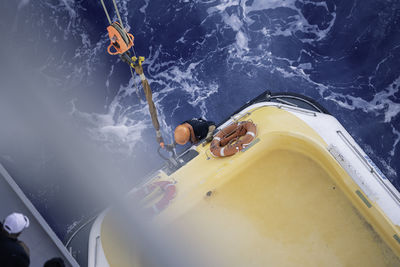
(143, 8)
(242, 41)
(223, 6)
(380, 103)
(396, 142)
(241, 20)
(299, 23)
(121, 127)
(270, 4)
(236, 24)
(233, 21)
(109, 76)
(184, 79)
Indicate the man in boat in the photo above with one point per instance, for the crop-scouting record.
(13, 252)
(194, 130)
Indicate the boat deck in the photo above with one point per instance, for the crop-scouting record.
(284, 210)
(284, 201)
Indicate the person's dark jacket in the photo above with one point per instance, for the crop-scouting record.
(54, 262)
(12, 251)
(200, 127)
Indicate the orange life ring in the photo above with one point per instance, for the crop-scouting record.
(120, 40)
(168, 190)
(233, 138)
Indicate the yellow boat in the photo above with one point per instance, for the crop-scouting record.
(303, 193)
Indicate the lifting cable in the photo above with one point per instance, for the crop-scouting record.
(121, 41)
(105, 11)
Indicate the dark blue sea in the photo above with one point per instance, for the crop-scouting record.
(204, 58)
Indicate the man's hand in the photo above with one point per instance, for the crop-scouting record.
(209, 138)
(169, 147)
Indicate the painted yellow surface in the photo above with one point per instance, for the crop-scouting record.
(283, 202)
(119, 251)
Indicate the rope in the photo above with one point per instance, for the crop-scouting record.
(105, 11)
(133, 50)
(119, 17)
(134, 82)
(139, 70)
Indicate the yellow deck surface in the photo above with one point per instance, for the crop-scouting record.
(283, 202)
(291, 216)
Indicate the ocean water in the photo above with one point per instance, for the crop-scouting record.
(206, 58)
